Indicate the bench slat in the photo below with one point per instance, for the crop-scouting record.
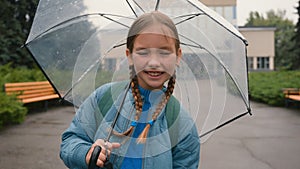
(294, 97)
(26, 84)
(27, 96)
(42, 98)
(29, 92)
(24, 88)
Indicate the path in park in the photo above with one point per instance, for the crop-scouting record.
(270, 139)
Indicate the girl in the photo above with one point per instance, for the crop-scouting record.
(141, 139)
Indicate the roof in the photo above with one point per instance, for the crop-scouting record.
(256, 28)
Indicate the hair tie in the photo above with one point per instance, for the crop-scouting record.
(151, 122)
(133, 124)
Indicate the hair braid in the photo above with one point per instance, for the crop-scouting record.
(137, 101)
(171, 84)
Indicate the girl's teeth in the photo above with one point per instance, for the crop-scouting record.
(154, 73)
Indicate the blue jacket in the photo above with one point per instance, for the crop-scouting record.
(89, 125)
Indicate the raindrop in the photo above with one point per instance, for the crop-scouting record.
(27, 17)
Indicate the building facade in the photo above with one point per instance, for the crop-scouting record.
(226, 8)
(261, 48)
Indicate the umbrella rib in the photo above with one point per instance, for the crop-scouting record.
(81, 16)
(115, 21)
(138, 5)
(244, 40)
(131, 8)
(189, 18)
(225, 123)
(157, 5)
(90, 68)
(81, 77)
(192, 14)
(222, 64)
(117, 113)
(190, 45)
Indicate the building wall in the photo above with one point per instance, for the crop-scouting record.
(261, 41)
(261, 48)
(219, 2)
(226, 8)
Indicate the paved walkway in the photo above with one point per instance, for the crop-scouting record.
(270, 139)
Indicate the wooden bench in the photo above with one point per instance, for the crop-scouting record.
(29, 92)
(291, 95)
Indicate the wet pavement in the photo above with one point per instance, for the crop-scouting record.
(270, 139)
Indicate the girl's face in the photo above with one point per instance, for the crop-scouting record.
(154, 57)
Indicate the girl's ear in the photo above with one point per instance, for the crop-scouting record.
(179, 55)
(129, 57)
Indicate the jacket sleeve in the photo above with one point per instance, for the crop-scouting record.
(186, 154)
(75, 145)
(79, 137)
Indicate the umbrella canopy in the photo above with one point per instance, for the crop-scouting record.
(80, 45)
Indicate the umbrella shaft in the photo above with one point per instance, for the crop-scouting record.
(117, 114)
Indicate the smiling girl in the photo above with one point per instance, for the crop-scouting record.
(153, 52)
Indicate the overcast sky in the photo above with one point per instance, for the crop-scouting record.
(244, 7)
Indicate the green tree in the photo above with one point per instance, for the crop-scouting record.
(296, 39)
(284, 53)
(15, 21)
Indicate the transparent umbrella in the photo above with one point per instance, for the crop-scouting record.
(80, 45)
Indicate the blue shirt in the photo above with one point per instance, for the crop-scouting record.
(133, 159)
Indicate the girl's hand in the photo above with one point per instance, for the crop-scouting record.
(102, 156)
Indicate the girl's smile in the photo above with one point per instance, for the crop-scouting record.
(154, 74)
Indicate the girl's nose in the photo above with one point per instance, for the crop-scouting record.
(154, 61)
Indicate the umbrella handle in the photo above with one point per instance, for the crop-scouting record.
(108, 164)
(94, 157)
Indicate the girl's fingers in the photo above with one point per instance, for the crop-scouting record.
(104, 151)
(106, 148)
(115, 145)
(111, 146)
(100, 163)
(102, 157)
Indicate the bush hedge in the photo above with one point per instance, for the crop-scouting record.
(11, 110)
(267, 87)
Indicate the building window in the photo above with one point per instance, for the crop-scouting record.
(234, 12)
(250, 63)
(263, 63)
(228, 12)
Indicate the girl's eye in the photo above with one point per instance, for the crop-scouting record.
(142, 52)
(164, 52)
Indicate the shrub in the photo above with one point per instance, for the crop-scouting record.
(11, 110)
(20, 74)
(267, 87)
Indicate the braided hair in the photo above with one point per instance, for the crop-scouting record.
(142, 22)
(138, 102)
